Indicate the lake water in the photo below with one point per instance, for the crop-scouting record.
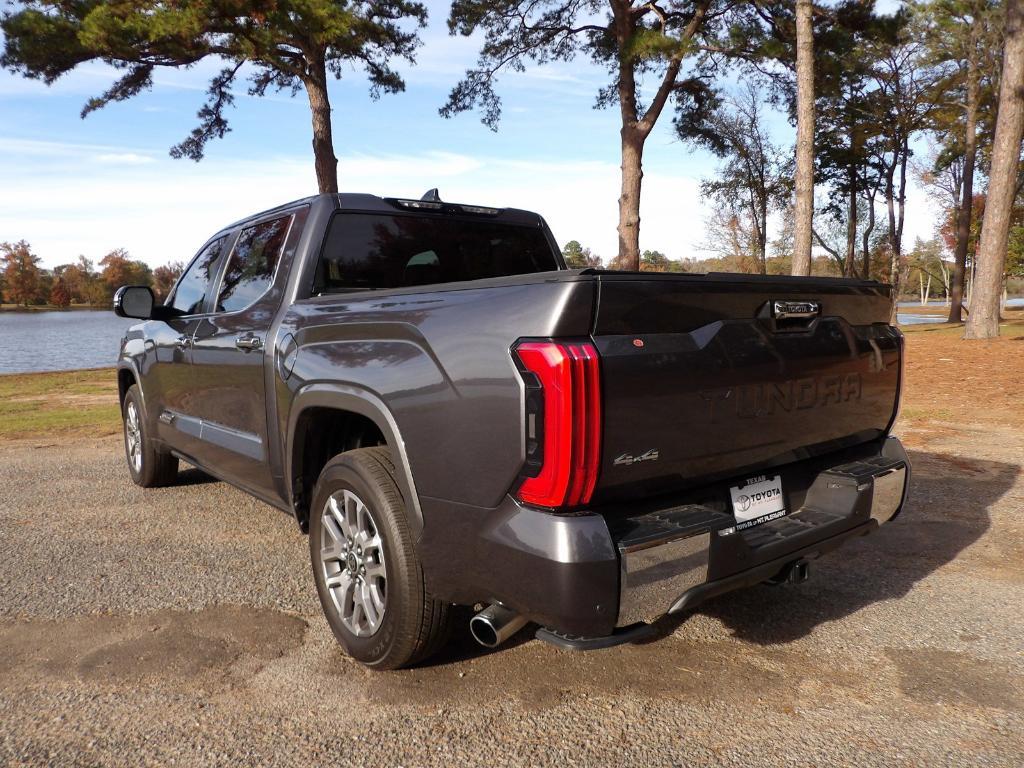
(908, 317)
(59, 341)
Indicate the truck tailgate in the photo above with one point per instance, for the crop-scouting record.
(701, 380)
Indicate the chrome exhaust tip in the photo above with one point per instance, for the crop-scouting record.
(494, 625)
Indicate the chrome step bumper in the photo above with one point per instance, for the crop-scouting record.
(666, 556)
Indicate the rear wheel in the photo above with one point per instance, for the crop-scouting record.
(148, 467)
(368, 576)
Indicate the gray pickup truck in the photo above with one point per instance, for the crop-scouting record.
(456, 418)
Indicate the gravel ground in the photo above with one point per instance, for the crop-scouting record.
(180, 626)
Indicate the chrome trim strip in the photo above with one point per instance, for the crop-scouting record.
(243, 443)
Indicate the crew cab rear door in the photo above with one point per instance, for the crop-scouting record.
(230, 349)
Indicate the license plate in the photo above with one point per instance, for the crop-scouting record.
(757, 500)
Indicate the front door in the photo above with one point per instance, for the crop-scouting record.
(170, 398)
(229, 353)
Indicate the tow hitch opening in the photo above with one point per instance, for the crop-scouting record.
(796, 572)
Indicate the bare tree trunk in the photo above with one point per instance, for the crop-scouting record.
(866, 236)
(850, 264)
(762, 236)
(629, 199)
(804, 203)
(896, 269)
(632, 143)
(963, 223)
(890, 207)
(323, 141)
(983, 322)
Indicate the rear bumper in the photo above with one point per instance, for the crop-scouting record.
(673, 570)
(591, 575)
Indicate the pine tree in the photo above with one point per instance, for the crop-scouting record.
(283, 45)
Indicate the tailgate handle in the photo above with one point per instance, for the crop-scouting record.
(795, 310)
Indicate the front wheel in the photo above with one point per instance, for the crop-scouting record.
(148, 467)
(367, 573)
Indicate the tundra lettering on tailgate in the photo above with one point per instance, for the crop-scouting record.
(753, 400)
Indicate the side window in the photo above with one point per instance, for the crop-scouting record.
(192, 288)
(250, 270)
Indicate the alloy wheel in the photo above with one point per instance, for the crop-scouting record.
(352, 563)
(133, 436)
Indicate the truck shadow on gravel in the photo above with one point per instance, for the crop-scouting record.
(191, 476)
(947, 512)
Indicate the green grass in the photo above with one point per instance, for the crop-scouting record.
(59, 404)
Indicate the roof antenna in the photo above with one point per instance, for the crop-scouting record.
(431, 196)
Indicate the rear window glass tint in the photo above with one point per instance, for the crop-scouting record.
(370, 251)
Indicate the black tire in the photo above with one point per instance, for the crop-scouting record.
(154, 468)
(414, 624)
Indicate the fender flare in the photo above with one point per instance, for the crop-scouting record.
(361, 401)
(130, 366)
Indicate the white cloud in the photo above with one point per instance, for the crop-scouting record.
(124, 158)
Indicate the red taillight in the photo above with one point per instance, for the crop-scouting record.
(567, 426)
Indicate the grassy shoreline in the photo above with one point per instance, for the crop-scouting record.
(59, 404)
(18, 308)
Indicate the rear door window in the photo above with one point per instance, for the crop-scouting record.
(191, 290)
(365, 251)
(250, 270)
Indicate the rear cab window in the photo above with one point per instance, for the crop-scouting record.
(250, 270)
(372, 251)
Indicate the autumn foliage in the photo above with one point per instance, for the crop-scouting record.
(24, 282)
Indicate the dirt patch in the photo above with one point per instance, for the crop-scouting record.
(932, 676)
(65, 399)
(169, 645)
(948, 378)
(539, 677)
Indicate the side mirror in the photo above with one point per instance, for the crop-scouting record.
(134, 301)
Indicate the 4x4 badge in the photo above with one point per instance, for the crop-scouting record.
(628, 459)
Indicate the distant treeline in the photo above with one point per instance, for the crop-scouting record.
(24, 282)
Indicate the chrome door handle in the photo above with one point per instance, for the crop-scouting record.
(183, 342)
(248, 343)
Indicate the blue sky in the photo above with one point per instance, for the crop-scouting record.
(72, 186)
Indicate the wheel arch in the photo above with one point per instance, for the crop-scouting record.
(367, 421)
(127, 375)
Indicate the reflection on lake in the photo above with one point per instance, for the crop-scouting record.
(59, 341)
